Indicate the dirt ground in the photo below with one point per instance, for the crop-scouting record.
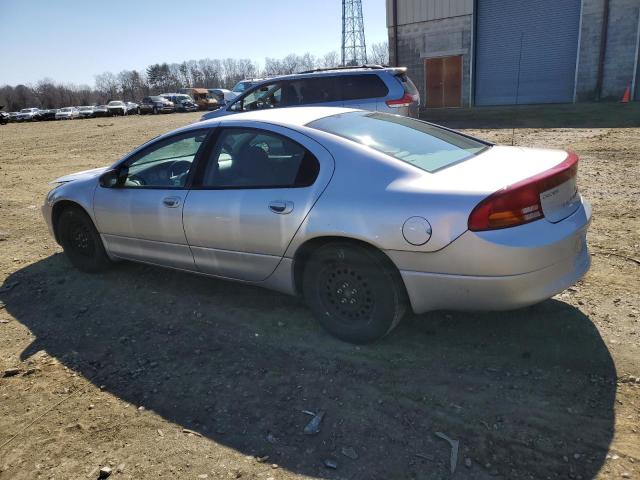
(159, 374)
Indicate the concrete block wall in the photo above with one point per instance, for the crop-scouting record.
(435, 38)
(620, 53)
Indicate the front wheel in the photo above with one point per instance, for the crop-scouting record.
(81, 241)
(354, 292)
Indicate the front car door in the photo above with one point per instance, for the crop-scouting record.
(140, 218)
(250, 196)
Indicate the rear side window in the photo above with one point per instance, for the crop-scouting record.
(308, 91)
(251, 158)
(417, 143)
(357, 87)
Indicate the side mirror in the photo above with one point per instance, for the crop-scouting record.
(111, 179)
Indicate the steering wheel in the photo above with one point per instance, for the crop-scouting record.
(136, 180)
(179, 168)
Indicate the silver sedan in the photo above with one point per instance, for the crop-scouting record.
(365, 214)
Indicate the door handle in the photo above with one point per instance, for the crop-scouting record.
(281, 207)
(171, 202)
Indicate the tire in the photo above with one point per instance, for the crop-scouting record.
(354, 292)
(81, 241)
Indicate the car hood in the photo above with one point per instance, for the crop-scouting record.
(83, 175)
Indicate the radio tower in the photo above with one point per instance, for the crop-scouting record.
(354, 48)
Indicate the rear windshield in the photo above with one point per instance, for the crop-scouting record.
(418, 143)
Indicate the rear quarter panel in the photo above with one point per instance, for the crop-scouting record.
(371, 196)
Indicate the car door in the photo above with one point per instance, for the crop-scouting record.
(250, 196)
(140, 216)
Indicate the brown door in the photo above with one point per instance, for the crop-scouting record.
(444, 81)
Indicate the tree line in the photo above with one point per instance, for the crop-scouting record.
(133, 85)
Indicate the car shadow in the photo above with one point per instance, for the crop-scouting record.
(528, 394)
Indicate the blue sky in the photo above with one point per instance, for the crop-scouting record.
(70, 41)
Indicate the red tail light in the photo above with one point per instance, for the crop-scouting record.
(406, 100)
(520, 203)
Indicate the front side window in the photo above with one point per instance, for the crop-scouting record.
(266, 96)
(250, 158)
(166, 163)
(418, 143)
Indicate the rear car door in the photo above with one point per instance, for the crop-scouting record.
(250, 196)
(140, 217)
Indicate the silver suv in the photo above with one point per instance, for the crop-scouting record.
(373, 87)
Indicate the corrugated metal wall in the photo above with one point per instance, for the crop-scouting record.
(526, 51)
(412, 11)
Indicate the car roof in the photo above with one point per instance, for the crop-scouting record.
(332, 72)
(291, 116)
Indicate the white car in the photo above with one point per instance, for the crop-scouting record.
(117, 107)
(28, 114)
(67, 113)
(223, 95)
(365, 214)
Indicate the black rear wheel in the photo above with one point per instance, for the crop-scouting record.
(354, 292)
(81, 241)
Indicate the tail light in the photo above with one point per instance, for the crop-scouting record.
(406, 100)
(520, 203)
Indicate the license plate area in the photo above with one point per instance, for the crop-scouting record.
(560, 201)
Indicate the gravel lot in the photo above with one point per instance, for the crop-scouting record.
(159, 374)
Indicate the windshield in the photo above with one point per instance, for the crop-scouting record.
(115, 104)
(418, 143)
(86, 108)
(65, 109)
(26, 110)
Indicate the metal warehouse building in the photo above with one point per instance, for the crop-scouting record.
(505, 52)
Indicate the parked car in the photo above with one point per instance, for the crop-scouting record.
(49, 114)
(28, 114)
(372, 88)
(86, 112)
(222, 95)
(443, 220)
(181, 101)
(117, 107)
(101, 111)
(132, 108)
(156, 104)
(13, 116)
(67, 113)
(201, 97)
(244, 85)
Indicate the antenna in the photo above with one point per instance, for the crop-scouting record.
(354, 48)
(513, 123)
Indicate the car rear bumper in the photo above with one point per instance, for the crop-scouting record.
(499, 270)
(433, 291)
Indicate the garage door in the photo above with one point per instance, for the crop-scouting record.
(526, 51)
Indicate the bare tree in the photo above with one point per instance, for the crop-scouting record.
(379, 53)
(330, 59)
(107, 84)
(163, 77)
